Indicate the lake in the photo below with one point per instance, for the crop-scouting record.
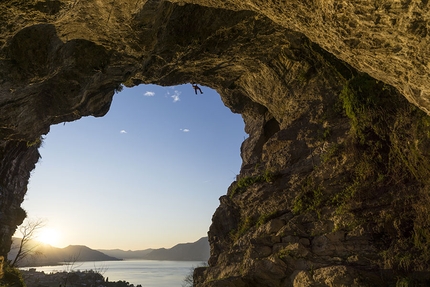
(148, 273)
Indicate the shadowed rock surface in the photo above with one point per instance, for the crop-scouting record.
(333, 189)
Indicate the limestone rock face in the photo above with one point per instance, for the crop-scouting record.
(386, 39)
(333, 189)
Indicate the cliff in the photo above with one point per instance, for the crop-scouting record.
(333, 189)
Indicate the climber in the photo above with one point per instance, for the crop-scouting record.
(196, 88)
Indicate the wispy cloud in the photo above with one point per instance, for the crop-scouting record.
(149, 94)
(123, 132)
(185, 130)
(175, 96)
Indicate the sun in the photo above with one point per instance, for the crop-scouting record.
(48, 236)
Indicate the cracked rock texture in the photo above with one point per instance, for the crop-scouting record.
(333, 189)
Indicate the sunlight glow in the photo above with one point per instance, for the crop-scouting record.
(48, 236)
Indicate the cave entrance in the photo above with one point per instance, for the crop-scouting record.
(146, 175)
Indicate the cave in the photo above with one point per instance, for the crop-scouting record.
(335, 100)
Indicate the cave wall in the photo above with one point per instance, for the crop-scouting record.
(366, 34)
(333, 185)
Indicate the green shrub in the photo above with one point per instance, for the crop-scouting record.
(311, 197)
(247, 181)
(12, 277)
(36, 142)
(243, 227)
(264, 218)
(390, 148)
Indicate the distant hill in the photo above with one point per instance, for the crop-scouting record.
(196, 251)
(126, 255)
(49, 255)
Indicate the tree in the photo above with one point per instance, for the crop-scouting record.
(28, 232)
(189, 279)
(71, 266)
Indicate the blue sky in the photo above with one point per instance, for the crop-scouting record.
(146, 175)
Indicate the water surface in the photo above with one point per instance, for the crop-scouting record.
(148, 273)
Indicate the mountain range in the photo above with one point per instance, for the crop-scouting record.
(196, 251)
(48, 255)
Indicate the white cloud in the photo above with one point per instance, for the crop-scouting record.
(185, 130)
(175, 96)
(149, 94)
(123, 132)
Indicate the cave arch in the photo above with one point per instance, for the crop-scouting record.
(160, 158)
(262, 58)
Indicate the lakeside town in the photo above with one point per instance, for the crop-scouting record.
(87, 278)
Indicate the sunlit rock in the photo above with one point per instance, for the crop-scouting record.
(334, 180)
